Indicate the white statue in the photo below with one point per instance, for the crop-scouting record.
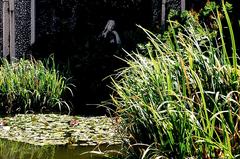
(110, 33)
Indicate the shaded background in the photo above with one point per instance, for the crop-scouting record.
(70, 30)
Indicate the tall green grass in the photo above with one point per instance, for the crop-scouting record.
(31, 85)
(182, 100)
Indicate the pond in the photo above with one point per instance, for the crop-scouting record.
(54, 136)
(17, 150)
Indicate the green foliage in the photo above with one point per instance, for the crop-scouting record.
(205, 17)
(30, 85)
(182, 100)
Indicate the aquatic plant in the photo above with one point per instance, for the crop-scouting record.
(40, 136)
(32, 86)
(181, 99)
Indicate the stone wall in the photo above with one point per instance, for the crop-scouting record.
(22, 19)
(57, 19)
(22, 26)
(1, 31)
(173, 4)
(157, 6)
(76, 17)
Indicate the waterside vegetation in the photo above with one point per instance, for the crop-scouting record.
(32, 86)
(179, 96)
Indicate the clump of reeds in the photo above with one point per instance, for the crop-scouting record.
(182, 100)
(31, 86)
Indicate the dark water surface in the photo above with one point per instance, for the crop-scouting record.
(14, 150)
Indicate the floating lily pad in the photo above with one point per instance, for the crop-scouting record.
(53, 129)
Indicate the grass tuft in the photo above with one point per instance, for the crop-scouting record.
(32, 86)
(181, 98)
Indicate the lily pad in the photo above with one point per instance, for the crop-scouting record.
(54, 129)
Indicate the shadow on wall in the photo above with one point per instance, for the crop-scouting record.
(70, 29)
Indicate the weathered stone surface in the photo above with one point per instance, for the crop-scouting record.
(173, 4)
(1, 30)
(156, 11)
(157, 6)
(22, 26)
(22, 10)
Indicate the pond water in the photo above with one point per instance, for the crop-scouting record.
(77, 153)
(16, 150)
(52, 136)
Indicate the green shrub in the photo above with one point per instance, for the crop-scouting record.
(30, 85)
(182, 100)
